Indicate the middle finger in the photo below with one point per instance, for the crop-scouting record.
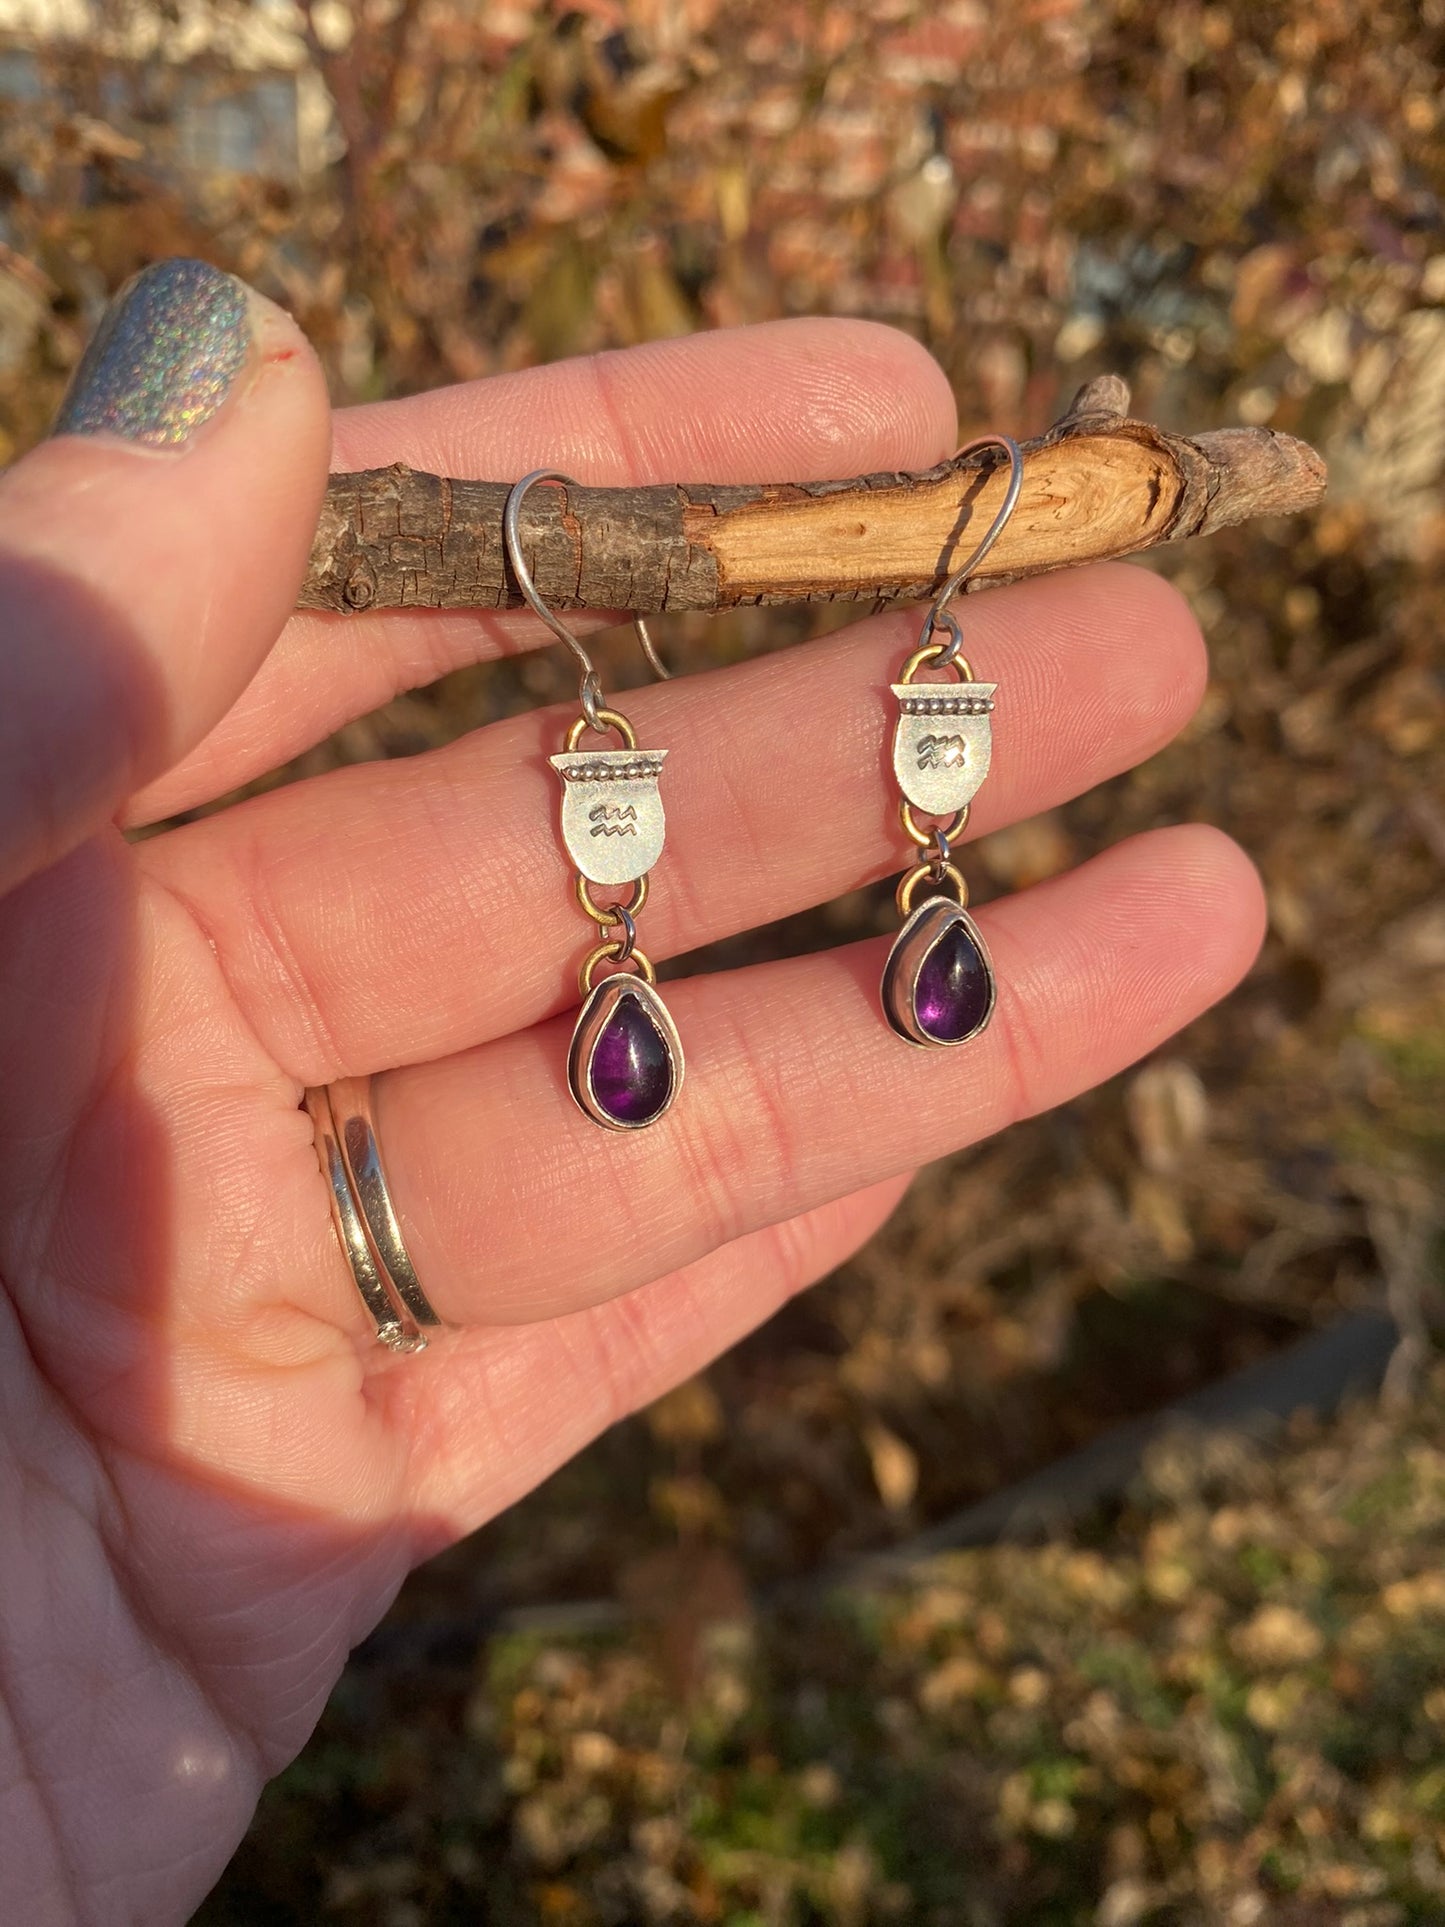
(390, 913)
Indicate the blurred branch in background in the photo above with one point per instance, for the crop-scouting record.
(361, 53)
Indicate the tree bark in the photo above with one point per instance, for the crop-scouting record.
(1098, 484)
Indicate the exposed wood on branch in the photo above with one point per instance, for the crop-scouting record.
(1098, 484)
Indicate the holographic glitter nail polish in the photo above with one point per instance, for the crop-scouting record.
(164, 357)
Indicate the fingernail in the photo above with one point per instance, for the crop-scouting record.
(165, 356)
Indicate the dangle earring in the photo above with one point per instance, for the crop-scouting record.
(938, 984)
(625, 1064)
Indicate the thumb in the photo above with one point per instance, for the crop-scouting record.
(151, 550)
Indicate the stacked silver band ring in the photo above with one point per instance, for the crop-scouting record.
(364, 1216)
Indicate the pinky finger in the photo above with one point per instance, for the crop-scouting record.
(508, 1405)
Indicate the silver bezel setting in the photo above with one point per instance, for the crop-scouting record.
(601, 1001)
(900, 974)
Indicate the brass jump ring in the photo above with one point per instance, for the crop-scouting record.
(612, 952)
(908, 885)
(942, 655)
(923, 839)
(602, 719)
(605, 913)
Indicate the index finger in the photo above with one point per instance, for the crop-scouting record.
(799, 401)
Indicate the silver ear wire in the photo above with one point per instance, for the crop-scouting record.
(996, 528)
(590, 689)
(938, 616)
(649, 649)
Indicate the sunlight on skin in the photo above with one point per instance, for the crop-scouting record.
(212, 1481)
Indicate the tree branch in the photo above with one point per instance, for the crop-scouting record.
(1097, 484)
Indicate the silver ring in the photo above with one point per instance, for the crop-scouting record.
(364, 1216)
(622, 917)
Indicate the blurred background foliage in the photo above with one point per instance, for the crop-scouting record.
(1218, 1695)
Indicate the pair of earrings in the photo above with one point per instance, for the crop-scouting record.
(625, 1064)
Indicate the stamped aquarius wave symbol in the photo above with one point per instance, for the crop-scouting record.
(942, 752)
(612, 821)
(608, 820)
(942, 742)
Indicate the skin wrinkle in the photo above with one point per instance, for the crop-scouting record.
(111, 1528)
(600, 367)
(1023, 1052)
(311, 1666)
(429, 1424)
(691, 388)
(172, 1870)
(44, 1803)
(714, 1295)
(234, 1714)
(294, 974)
(101, 1539)
(748, 1128)
(196, 916)
(645, 1218)
(443, 804)
(44, 1240)
(733, 808)
(477, 888)
(566, 1408)
(246, 1243)
(386, 654)
(623, 1340)
(811, 1241)
(483, 1375)
(293, 1099)
(44, 1260)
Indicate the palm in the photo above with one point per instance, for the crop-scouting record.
(217, 1479)
(235, 1479)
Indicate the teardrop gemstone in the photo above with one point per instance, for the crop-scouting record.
(631, 1069)
(953, 989)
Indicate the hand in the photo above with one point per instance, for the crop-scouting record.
(213, 1479)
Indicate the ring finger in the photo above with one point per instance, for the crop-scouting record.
(797, 1091)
